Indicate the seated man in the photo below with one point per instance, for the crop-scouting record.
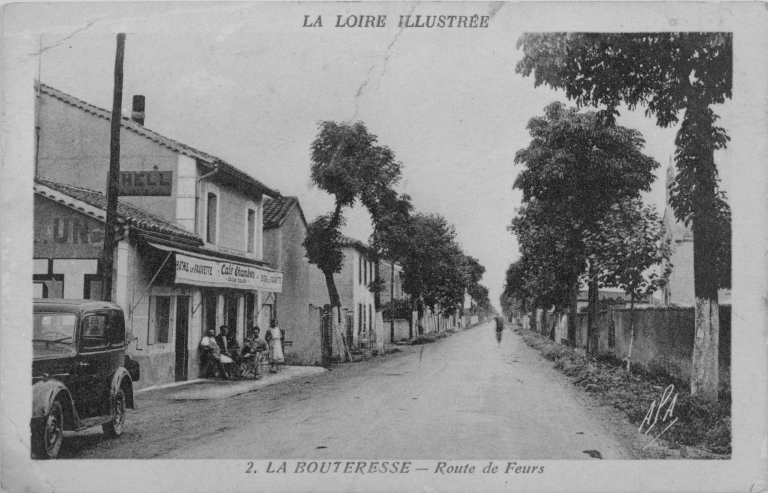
(211, 355)
(227, 345)
(253, 346)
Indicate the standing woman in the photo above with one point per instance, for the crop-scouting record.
(274, 338)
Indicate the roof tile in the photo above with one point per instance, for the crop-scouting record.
(131, 215)
(276, 210)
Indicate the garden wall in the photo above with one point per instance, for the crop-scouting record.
(401, 330)
(663, 338)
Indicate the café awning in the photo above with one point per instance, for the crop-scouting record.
(205, 270)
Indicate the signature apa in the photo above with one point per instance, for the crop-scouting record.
(652, 416)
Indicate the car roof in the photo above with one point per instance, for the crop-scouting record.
(66, 305)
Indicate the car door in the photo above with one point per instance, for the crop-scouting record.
(94, 364)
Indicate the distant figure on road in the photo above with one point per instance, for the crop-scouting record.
(499, 328)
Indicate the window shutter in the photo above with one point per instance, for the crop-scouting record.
(152, 320)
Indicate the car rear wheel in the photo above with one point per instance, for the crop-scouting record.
(114, 428)
(47, 438)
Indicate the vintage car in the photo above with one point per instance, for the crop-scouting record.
(81, 376)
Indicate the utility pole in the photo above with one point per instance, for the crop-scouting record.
(114, 173)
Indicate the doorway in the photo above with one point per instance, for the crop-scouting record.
(182, 334)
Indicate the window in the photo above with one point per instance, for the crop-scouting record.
(211, 218)
(162, 318)
(360, 270)
(95, 330)
(53, 333)
(365, 272)
(251, 240)
(370, 317)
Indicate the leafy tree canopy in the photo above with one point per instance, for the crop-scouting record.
(662, 71)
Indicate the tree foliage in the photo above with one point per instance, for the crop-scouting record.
(435, 269)
(662, 71)
(627, 244)
(323, 243)
(576, 168)
(548, 265)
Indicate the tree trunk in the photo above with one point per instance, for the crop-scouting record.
(410, 321)
(392, 304)
(573, 303)
(592, 315)
(333, 294)
(631, 329)
(420, 317)
(705, 364)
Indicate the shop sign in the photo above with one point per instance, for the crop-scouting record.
(146, 183)
(203, 272)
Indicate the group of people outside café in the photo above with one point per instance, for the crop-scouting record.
(222, 355)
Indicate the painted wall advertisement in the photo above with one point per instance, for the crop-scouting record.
(202, 272)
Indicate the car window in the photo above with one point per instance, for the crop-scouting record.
(117, 333)
(95, 330)
(53, 333)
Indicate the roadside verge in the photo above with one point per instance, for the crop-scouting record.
(657, 405)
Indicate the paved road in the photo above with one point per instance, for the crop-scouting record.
(463, 397)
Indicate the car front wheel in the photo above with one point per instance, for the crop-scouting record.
(47, 438)
(114, 428)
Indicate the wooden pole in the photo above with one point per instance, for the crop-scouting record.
(114, 172)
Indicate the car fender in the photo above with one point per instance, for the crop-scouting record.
(120, 377)
(44, 393)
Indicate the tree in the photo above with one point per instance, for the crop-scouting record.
(576, 167)
(392, 229)
(628, 244)
(346, 163)
(433, 266)
(668, 73)
(547, 267)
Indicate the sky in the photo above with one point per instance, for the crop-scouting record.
(249, 84)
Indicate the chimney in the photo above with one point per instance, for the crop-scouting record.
(137, 114)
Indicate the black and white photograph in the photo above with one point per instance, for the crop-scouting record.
(384, 246)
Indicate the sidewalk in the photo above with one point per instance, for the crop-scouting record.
(204, 389)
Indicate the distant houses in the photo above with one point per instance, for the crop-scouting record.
(352, 284)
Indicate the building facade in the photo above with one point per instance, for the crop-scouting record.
(352, 284)
(390, 281)
(285, 228)
(172, 286)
